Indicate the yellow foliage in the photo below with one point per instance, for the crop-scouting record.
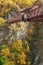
(5, 51)
(19, 41)
(28, 2)
(17, 45)
(2, 21)
(22, 57)
(9, 2)
(27, 46)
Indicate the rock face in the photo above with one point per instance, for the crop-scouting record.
(41, 64)
(40, 43)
